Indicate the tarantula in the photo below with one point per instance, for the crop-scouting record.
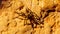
(34, 18)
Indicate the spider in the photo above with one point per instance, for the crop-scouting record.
(29, 15)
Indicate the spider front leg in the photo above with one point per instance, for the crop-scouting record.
(25, 22)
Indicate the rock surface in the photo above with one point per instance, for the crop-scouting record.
(30, 17)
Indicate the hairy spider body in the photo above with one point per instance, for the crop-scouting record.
(29, 15)
(33, 17)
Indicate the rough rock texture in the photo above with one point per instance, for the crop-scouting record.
(29, 16)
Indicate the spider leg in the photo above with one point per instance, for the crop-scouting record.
(32, 24)
(25, 21)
